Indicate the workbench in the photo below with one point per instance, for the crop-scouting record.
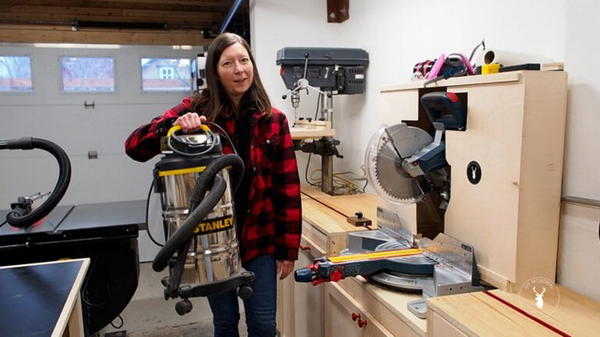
(515, 136)
(327, 309)
(42, 299)
(335, 309)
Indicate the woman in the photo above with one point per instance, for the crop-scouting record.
(267, 204)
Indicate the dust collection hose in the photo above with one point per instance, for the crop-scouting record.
(16, 218)
(202, 185)
(206, 205)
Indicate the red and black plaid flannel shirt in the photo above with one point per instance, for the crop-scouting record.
(273, 225)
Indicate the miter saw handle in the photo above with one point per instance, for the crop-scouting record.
(447, 108)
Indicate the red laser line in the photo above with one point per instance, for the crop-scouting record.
(526, 314)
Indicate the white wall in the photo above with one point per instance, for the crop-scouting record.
(398, 34)
(582, 169)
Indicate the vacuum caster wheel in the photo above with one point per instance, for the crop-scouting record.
(183, 307)
(244, 292)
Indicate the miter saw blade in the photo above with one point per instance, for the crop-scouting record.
(385, 154)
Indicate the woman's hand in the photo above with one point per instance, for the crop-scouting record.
(284, 268)
(189, 122)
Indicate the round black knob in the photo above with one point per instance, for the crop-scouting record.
(183, 307)
(359, 214)
(245, 292)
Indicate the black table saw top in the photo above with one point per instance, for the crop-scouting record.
(77, 223)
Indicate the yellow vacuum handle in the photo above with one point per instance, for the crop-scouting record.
(174, 128)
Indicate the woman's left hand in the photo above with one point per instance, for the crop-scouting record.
(284, 268)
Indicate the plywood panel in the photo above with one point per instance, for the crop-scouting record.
(308, 301)
(477, 314)
(541, 174)
(398, 105)
(485, 215)
(439, 327)
(515, 131)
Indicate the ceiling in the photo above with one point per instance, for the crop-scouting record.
(145, 22)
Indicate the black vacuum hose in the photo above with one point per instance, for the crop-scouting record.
(203, 184)
(186, 230)
(15, 218)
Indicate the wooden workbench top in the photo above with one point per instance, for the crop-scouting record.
(328, 213)
(497, 313)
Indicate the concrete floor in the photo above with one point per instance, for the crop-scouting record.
(149, 315)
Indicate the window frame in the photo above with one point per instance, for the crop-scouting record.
(33, 75)
(162, 92)
(61, 88)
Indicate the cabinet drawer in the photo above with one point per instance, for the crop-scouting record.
(313, 249)
(344, 316)
(313, 236)
(373, 305)
(437, 326)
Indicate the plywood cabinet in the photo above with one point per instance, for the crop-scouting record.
(305, 310)
(515, 134)
(300, 305)
(344, 316)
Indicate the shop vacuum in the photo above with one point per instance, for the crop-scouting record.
(196, 182)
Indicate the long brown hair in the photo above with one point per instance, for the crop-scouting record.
(213, 100)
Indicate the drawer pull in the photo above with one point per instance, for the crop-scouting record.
(362, 323)
(355, 316)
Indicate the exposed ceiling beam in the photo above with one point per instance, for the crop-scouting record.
(124, 4)
(22, 14)
(54, 34)
(59, 20)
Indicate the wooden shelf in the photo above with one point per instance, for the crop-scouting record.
(307, 133)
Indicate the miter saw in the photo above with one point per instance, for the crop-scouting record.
(406, 165)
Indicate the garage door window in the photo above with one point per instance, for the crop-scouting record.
(15, 74)
(162, 74)
(88, 74)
